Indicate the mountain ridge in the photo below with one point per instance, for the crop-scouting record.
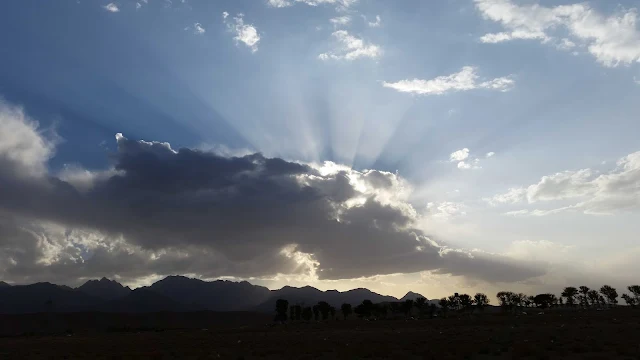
(172, 293)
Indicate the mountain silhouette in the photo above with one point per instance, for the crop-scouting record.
(173, 293)
(4, 284)
(219, 295)
(44, 297)
(105, 289)
(309, 296)
(412, 296)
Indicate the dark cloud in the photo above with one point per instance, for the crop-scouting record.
(162, 211)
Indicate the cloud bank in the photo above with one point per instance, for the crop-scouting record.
(160, 211)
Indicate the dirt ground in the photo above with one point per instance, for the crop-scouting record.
(611, 334)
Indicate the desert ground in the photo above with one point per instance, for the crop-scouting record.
(572, 334)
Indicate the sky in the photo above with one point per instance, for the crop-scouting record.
(433, 146)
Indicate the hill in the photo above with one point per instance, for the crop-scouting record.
(104, 289)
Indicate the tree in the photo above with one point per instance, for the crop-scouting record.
(292, 313)
(364, 309)
(570, 293)
(421, 304)
(631, 301)
(307, 313)
(593, 297)
(454, 302)
(298, 312)
(610, 294)
(324, 309)
(584, 297)
(635, 293)
(316, 312)
(332, 312)
(466, 302)
(505, 298)
(544, 301)
(281, 310)
(444, 305)
(346, 310)
(432, 309)
(530, 301)
(407, 306)
(480, 300)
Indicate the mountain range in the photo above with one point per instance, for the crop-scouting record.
(173, 293)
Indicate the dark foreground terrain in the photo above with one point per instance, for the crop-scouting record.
(609, 334)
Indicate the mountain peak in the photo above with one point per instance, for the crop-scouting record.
(104, 288)
(4, 284)
(412, 296)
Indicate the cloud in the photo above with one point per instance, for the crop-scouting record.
(198, 29)
(161, 211)
(246, 34)
(446, 210)
(351, 48)
(462, 158)
(591, 192)
(490, 154)
(111, 7)
(464, 80)
(138, 5)
(612, 40)
(340, 21)
(459, 155)
(375, 23)
(340, 4)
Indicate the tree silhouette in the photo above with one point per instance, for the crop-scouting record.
(298, 312)
(480, 300)
(346, 310)
(544, 301)
(281, 310)
(332, 312)
(454, 302)
(466, 302)
(570, 293)
(505, 299)
(324, 308)
(584, 296)
(307, 313)
(432, 309)
(631, 301)
(292, 313)
(421, 304)
(316, 312)
(407, 306)
(364, 309)
(610, 294)
(593, 297)
(444, 305)
(635, 293)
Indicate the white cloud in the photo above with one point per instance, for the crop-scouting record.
(636, 80)
(340, 20)
(111, 7)
(617, 190)
(375, 23)
(512, 196)
(446, 210)
(464, 80)
(138, 5)
(490, 154)
(351, 48)
(340, 4)
(198, 29)
(459, 155)
(246, 34)
(22, 144)
(612, 40)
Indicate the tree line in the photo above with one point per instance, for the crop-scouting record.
(459, 303)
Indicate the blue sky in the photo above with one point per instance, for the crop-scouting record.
(547, 88)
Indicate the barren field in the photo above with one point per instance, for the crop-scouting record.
(612, 334)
